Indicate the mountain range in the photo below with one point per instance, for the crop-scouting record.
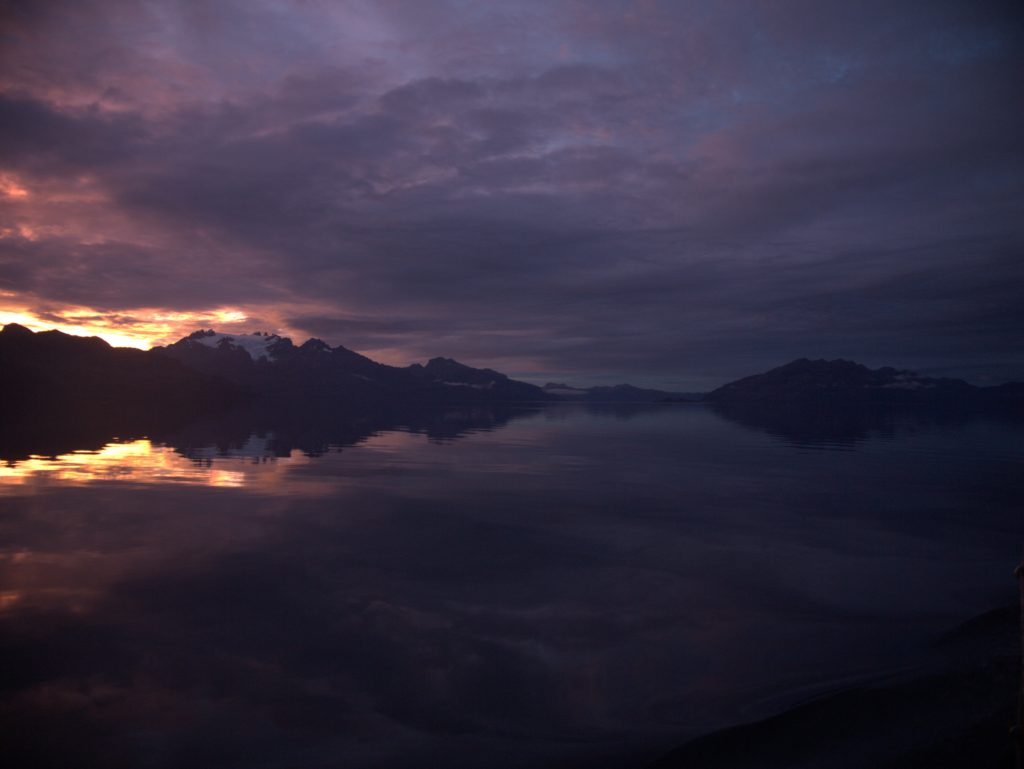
(61, 370)
(208, 370)
(825, 382)
(268, 364)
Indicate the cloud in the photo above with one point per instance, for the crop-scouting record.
(615, 190)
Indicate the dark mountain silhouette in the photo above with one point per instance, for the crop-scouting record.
(842, 381)
(63, 371)
(60, 393)
(810, 402)
(445, 372)
(205, 371)
(271, 366)
(208, 370)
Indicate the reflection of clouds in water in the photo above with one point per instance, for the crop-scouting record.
(273, 646)
(137, 462)
(256, 464)
(552, 589)
(251, 466)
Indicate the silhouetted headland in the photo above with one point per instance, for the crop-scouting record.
(836, 382)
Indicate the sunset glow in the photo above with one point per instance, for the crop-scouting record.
(140, 328)
(143, 462)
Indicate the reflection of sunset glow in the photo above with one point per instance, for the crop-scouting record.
(143, 462)
(140, 328)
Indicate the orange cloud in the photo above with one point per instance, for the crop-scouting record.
(11, 188)
(141, 328)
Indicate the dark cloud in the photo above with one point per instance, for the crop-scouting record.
(617, 190)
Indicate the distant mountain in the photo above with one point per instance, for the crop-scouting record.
(460, 378)
(843, 381)
(623, 393)
(267, 364)
(270, 363)
(207, 370)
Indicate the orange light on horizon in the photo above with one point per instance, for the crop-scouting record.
(33, 323)
(139, 328)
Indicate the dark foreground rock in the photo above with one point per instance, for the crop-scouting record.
(954, 714)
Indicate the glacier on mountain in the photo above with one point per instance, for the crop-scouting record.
(257, 345)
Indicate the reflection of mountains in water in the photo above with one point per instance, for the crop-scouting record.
(273, 429)
(257, 430)
(845, 424)
(316, 431)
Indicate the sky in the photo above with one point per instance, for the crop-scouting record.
(663, 192)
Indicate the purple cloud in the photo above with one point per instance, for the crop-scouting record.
(673, 194)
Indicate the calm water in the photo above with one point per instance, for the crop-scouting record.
(545, 588)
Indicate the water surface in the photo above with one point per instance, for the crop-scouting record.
(535, 587)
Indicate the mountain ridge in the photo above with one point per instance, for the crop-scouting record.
(207, 368)
(86, 374)
(843, 381)
(270, 364)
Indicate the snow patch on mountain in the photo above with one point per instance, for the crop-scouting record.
(257, 345)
